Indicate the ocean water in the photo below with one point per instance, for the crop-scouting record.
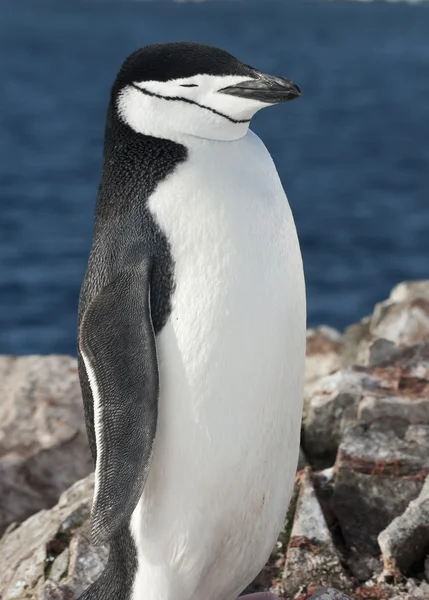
(352, 152)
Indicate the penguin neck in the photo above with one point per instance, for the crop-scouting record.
(133, 165)
(122, 143)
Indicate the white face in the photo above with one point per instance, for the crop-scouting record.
(191, 106)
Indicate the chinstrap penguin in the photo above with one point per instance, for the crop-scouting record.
(191, 334)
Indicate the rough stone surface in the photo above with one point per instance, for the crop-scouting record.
(356, 338)
(311, 557)
(332, 408)
(302, 460)
(362, 566)
(29, 553)
(407, 291)
(407, 374)
(390, 407)
(380, 351)
(87, 562)
(324, 353)
(52, 590)
(402, 319)
(426, 567)
(380, 468)
(328, 593)
(43, 444)
(405, 542)
(60, 566)
(340, 400)
(403, 323)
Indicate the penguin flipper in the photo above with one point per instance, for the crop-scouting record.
(117, 342)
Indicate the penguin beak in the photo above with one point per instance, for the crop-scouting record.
(264, 88)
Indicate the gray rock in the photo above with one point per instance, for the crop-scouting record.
(355, 339)
(331, 409)
(87, 562)
(363, 567)
(52, 590)
(380, 351)
(60, 566)
(408, 373)
(311, 557)
(403, 323)
(302, 460)
(323, 354)
(417, 590)
(405, 541)
(398, 389)
(407, 291)
(380, 469)
(404, 317)
(43, 444)
(328, 593)
(29, 552)
(402, 320)
(373, 408)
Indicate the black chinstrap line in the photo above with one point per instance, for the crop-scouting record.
(180, 99)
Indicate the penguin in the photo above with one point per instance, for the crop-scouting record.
(191, 330)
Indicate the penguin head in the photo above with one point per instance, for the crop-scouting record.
(184, 88)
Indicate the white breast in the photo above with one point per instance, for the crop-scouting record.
(231, 361)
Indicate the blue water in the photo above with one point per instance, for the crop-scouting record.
(353, 152)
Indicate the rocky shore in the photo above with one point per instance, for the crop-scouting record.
(359, 517)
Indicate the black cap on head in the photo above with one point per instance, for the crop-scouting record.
(162, 62)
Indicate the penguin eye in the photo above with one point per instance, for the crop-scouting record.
(188, 85)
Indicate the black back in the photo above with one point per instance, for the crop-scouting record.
(133, 166)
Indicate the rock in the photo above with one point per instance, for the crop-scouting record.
(33, 552)
(340, 400)
(355, 339)
(404, 323)
(60, 566)
(311, 557)
(414, 412)
(328, 593)
(407, 291)
(378, 591)
(87, 562)
(380, 351)
(408, 373)
(402, 319)
(259, 596)
(362, 566)
(331, 409)
(380, 468)
(55, 591)
(417, 590)
(43, 444)
(324, 353)
(302, 460)
(405, 542)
